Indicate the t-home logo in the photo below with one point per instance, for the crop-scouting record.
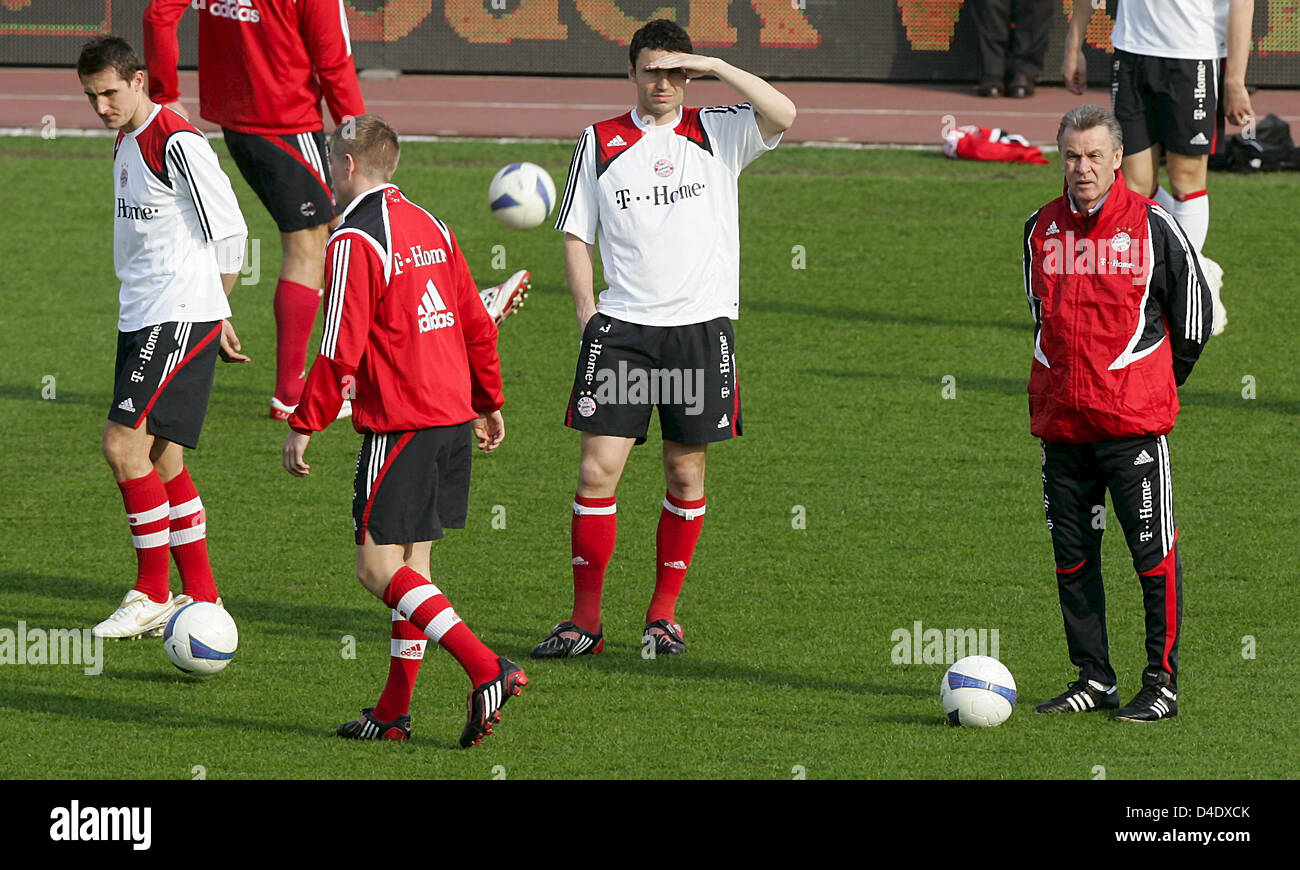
(936, 646)
(75, 823)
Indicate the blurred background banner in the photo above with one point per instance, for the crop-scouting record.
(867, 40)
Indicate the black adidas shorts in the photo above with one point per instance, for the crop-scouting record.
(688, 372)
(290, 174)
(410, 486)
(1167, 101)
(164, 374)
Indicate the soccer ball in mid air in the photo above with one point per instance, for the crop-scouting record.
(978, 692)
(521, 195)
(200, 638)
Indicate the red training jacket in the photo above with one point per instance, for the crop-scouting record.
(1121, 314)
(407, 337)
(263, 64)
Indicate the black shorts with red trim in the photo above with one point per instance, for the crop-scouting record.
(290, 175)
(626, 370)
(1167, 101)
(410, 486)
(164, 374)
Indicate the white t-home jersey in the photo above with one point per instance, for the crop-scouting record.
(662, 200)
(171, 202)
(1166, 28)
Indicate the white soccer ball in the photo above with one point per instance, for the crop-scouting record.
(200, 638)
(521, 195)
(978, 692)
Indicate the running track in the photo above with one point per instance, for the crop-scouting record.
(558, 108)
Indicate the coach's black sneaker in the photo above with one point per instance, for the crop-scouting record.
(486, 700)
(666, 637)
(367, 727)
(1081, 696)
(1156, 701)
(582, 642)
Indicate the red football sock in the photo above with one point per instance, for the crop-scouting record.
(405, 655)
(189, 538)
(418, 600)
(295, 314)
(680, 522)
(148, 513)
(593, 533)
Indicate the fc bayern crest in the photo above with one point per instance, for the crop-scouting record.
(1120, 241)
(308, 209)
(663, 167)
(123, 178)
(586, 406)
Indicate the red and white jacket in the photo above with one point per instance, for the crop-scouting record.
(263, 64)
(1121, 314)
(407, 337)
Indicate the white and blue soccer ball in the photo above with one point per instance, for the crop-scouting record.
(521, 195)
(200, 638)
(977, 692)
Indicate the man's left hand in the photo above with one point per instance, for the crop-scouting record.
(230, 345)
(295, 446)
(490, 429)
(693, 65)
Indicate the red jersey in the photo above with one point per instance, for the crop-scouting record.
(263, 64)
(407, 337)
(1121, 314)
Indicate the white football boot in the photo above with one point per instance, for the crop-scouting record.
(183, 600)
(138, 616)
(281, 411)
(507, 297)
(1214, 278)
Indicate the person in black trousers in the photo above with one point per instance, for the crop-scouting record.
(1012, 44)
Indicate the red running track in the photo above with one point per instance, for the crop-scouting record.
(558, 108)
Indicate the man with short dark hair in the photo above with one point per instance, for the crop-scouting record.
(658, 186)
(409, 342)
(1121, 314)
(178, 241)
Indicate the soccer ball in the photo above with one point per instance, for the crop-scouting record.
(978, 692)
(200, 638)
(521, 195)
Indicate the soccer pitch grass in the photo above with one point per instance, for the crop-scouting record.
(914, 508)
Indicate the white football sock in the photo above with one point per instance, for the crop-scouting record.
(1164, 199)
(1194, 216)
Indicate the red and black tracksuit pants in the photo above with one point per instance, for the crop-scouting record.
(1075, 480)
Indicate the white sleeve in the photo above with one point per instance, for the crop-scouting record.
(734, 131)
(580, 206)
(193, 164)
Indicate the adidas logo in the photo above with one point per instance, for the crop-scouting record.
(578, 560)
(1143, 458)
(724, 422)
(1052, 230)
(237, 10)
(433, 311)
(677, 563)
(126, 405)
(1198, 139)
(616, 142)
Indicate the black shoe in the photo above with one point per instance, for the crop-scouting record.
(989, 88)
(556, 647)
(1081, 696)
(367, 727)
(486, 700)
(1020, 86)
(666, 637)
(1156, 701)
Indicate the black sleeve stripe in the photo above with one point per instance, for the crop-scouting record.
(575, 166)
(1027, 264)
(178, 155)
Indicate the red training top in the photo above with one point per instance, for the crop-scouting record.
(263, 64)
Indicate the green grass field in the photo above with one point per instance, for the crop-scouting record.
(917, 508)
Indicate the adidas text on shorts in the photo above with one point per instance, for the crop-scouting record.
(410, 486)
(164, 374)
(625, 370)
